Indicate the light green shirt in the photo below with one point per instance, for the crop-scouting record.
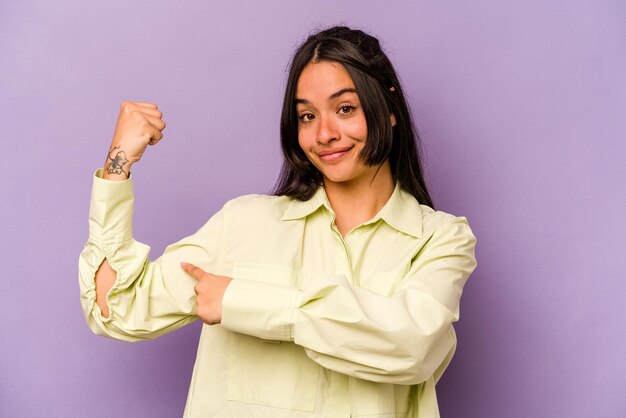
(313, 324)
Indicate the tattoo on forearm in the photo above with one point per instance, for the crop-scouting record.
(117, 163)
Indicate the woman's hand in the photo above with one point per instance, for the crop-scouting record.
(139, 124)
(210, 292)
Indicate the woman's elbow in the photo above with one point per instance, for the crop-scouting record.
(422, 359)
(100, 327)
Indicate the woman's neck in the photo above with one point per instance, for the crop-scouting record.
(359, 201)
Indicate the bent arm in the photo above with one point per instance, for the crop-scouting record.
(402, 339)
(105, 276)
(123, 294)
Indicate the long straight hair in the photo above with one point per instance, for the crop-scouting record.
(380, 94)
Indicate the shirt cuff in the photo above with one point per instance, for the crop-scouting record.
(111, 210)
(259, 309)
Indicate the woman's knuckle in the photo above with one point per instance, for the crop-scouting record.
(127, 105)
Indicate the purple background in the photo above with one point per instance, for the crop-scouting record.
(522, 109)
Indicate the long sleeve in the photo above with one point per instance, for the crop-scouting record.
(403, 339)
(148, 299)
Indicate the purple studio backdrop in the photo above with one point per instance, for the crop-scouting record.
(522, 110)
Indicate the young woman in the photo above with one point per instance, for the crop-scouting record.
(334, 297)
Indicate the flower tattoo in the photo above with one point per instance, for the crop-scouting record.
(116, 165)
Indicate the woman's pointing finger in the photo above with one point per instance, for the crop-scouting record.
(193, 271)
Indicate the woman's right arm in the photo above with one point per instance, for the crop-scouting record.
(123, 294)
(138, 125)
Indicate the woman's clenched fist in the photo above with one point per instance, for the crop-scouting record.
(139, 124)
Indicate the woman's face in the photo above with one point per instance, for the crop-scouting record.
(331, 124)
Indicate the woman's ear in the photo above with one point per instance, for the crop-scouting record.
(393, 120)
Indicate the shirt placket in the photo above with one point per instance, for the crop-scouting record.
(339, 400)
(343, 262)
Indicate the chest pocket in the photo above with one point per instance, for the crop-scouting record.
(270, 373)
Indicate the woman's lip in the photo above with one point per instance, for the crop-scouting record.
(334, 154)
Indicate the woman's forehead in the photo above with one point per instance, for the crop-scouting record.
(320, 80)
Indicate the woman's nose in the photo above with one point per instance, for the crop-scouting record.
(327, 131)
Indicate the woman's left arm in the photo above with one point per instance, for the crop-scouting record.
(402, 339)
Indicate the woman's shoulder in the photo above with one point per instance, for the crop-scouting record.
(434, 221)
(258, 205)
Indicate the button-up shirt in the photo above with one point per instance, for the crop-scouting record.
(314, 324)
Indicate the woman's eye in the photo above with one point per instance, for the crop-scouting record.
(346, 109)
(306, 117)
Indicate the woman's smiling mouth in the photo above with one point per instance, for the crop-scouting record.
(334, 154)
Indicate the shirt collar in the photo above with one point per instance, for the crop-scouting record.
(302, 208)
(402, 211)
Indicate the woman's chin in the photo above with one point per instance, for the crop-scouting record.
(338, 178)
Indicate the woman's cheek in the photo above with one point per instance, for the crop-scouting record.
(306, 135)
(357, 129)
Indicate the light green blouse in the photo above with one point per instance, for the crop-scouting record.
(313, 324)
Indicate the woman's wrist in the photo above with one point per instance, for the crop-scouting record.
(114, 177)
(117, 165)
(118, 173)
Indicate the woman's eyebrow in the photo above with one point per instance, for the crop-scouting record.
(342, 91)
(331, 97)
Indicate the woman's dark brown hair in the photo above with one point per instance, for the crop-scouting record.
(380, 95)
